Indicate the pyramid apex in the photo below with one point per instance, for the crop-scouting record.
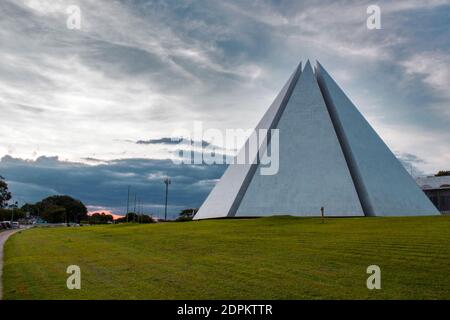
(308, 67)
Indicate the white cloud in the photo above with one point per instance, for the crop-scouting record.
(432, 68)
(136, 73)
(430, 146)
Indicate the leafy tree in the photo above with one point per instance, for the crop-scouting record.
(32, 209)
(145, 219)
(100, 218)
(187, 214)
(54, 214)
(443, 173)
(130, 217)
(62, 209)
(133, 217)
(5, 195)
(6, 214)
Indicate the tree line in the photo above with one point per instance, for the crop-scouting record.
(65, 209)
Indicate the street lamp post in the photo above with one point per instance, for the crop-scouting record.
(167, 182)
(12, 212)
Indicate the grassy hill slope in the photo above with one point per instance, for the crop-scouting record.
(266, 258)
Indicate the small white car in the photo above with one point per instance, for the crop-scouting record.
(15, 225)
(6, 224)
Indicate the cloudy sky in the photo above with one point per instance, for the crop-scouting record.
(85, 112)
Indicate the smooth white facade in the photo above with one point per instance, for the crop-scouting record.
(223, 199)
(329, 157)
(384, 186)
(312, 168)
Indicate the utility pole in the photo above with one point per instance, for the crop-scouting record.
(128, 203)
(167, 182)
(322, 209)
(136, 217)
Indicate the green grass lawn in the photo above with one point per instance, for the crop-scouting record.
(267, 258)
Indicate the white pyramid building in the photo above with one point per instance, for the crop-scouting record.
(329, 156)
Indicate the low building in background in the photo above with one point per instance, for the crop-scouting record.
(437, 188)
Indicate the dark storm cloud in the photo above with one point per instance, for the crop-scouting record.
(105, 185)
(171, 141)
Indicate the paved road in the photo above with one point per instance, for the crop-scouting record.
(4, 235)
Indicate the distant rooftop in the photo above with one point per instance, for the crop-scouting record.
(434, 182)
